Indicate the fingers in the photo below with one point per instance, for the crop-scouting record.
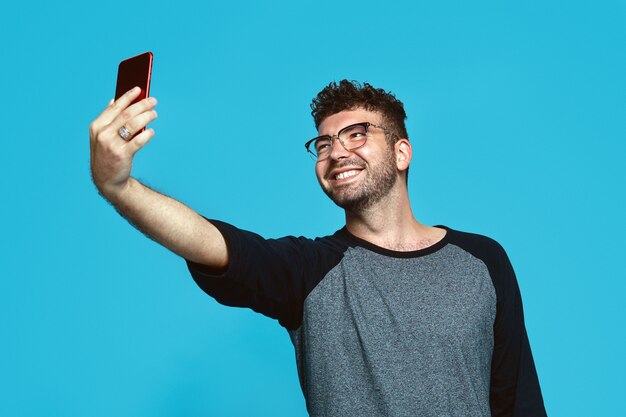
(134, 119)
(115, 107)
(139, 141)
(134, 124)
(137, 116)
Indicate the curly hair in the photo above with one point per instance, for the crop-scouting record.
(349, 95)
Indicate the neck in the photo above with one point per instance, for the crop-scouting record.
(390, 224)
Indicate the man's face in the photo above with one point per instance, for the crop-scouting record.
(358, 179)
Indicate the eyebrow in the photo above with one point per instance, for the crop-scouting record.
(348, 125)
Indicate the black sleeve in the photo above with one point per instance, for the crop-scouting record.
(270, 276)
(515, 387)
(515, 390)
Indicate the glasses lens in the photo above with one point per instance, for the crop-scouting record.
(353, 136)
(320, 147)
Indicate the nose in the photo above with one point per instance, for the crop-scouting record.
(337, 151)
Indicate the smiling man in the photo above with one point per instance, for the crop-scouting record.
(388, 316)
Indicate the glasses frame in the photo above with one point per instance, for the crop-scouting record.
(366, 125)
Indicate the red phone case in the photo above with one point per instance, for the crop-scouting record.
(134, 72)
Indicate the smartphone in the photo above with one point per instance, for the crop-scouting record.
(134, 72)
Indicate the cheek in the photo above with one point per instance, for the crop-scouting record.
(320, 169)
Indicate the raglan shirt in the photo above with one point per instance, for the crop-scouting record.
(433, 332)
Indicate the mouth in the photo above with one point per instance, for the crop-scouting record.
(344, 175)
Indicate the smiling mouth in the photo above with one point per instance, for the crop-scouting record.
(347, 174)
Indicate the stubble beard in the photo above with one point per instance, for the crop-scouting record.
(380, 180)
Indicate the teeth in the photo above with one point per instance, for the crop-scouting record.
(346, 174)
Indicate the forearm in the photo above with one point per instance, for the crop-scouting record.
(172, 224)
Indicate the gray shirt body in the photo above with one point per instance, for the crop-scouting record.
(399, 336)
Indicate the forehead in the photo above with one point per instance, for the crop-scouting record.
(334, 123)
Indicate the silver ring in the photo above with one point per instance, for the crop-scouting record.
(124, 133)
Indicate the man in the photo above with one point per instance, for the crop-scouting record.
(388, 317)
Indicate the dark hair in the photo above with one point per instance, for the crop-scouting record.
(349, 95)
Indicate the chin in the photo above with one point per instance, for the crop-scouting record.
(354, 203)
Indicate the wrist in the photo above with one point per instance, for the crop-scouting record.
(115, 194)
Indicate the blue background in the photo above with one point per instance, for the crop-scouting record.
(517, 118)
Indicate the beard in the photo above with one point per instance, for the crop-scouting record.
(379, 181)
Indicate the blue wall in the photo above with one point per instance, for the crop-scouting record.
(517, 118)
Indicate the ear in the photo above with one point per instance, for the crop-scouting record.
(404, 154)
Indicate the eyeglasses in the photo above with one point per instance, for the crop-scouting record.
(351, 137)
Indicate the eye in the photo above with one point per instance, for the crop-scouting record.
(352, 133)
(321, 145)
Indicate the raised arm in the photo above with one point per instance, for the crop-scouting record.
(167, 221)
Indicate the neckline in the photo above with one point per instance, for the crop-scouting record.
(357, 241)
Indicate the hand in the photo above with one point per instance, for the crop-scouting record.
(112, 156)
